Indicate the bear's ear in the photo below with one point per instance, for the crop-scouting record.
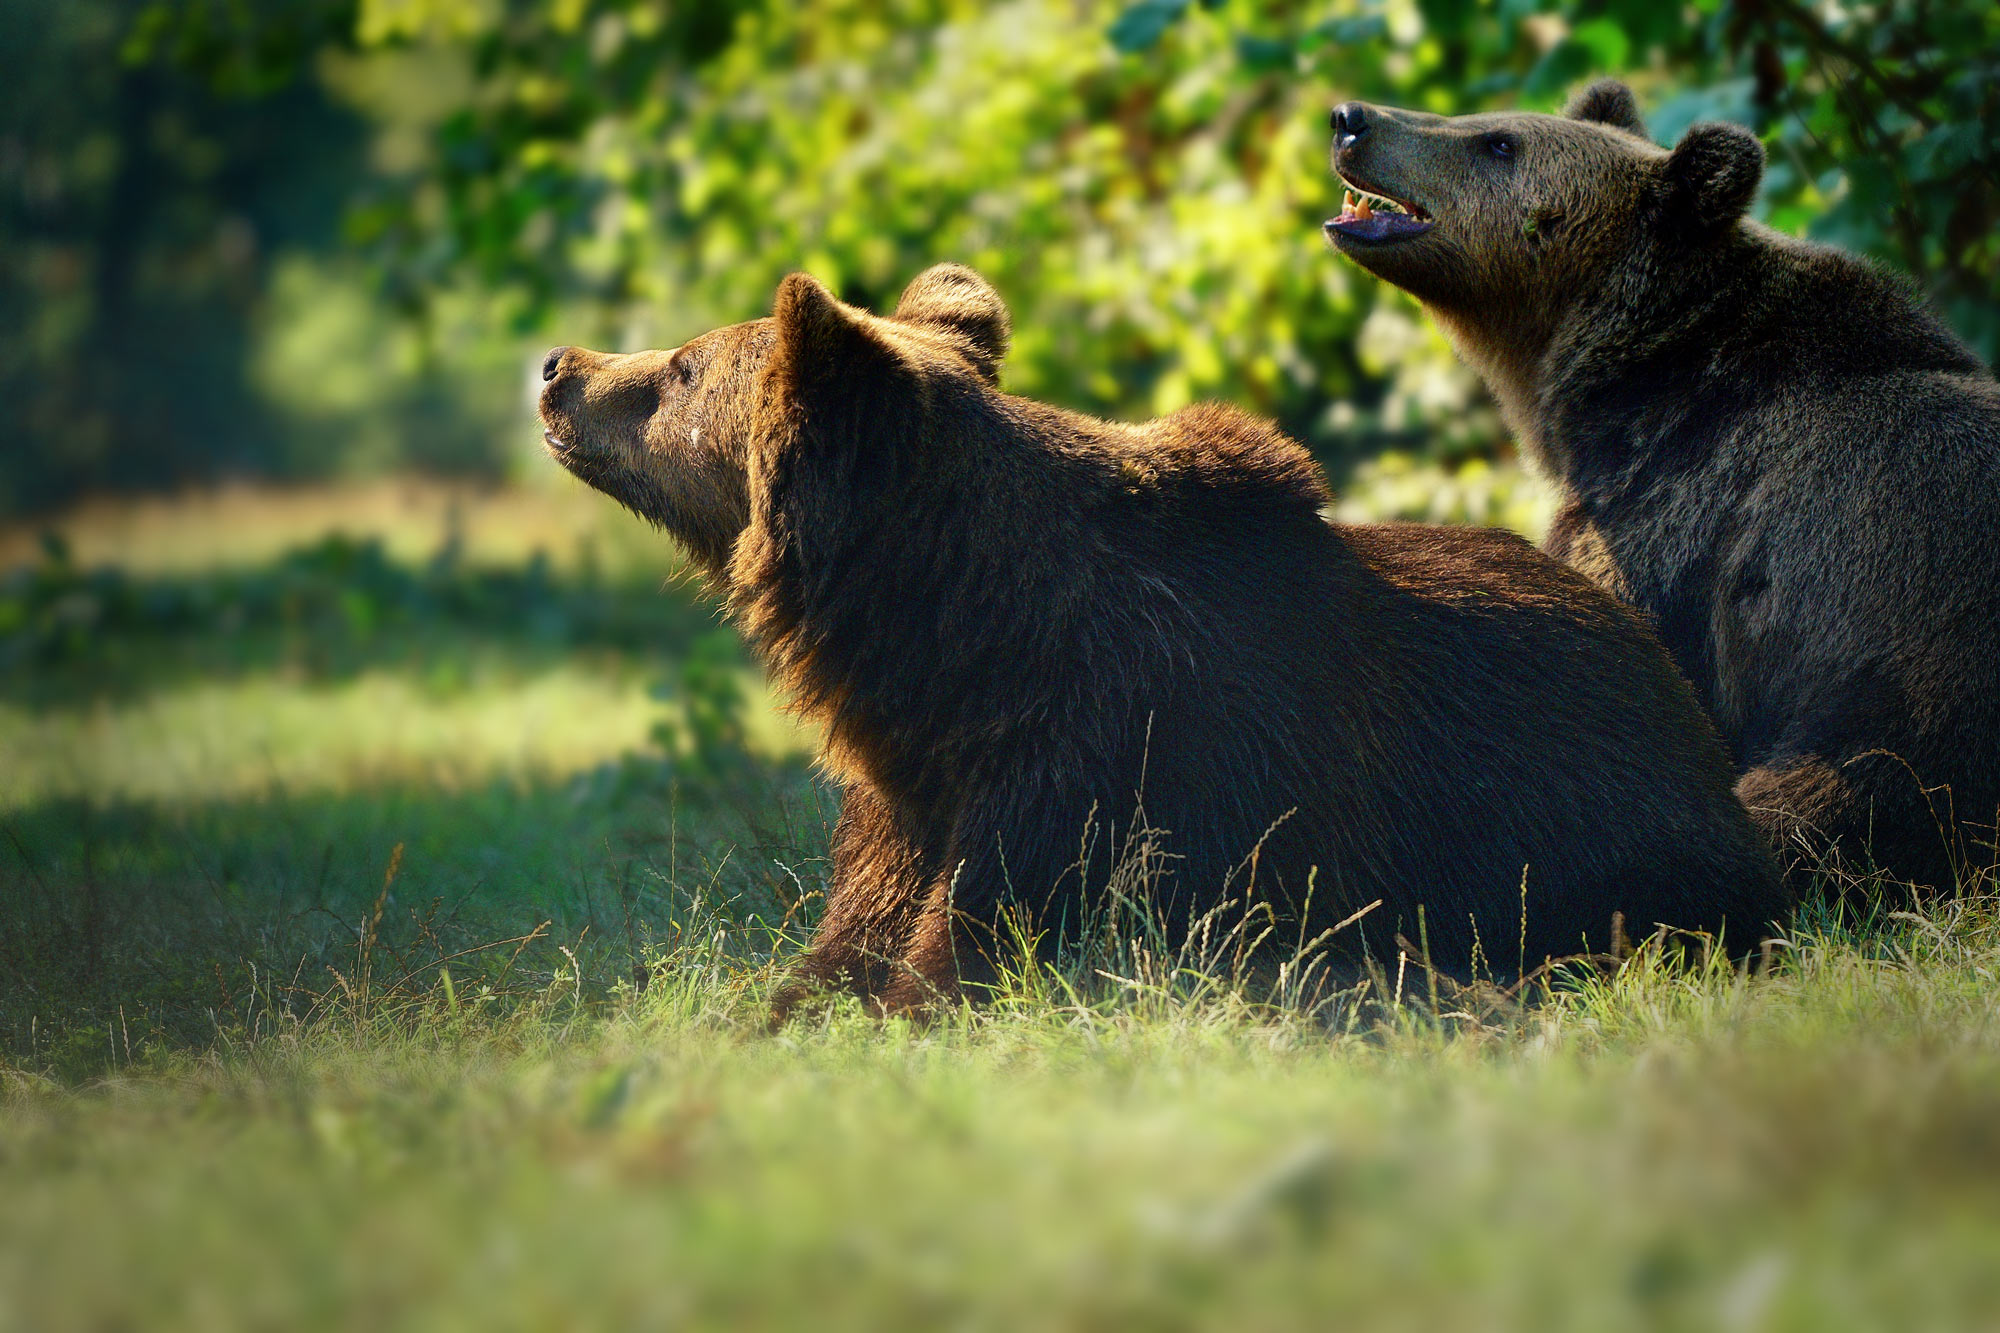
(953, 299)
(1607, 102)
(1712, 175)
(837, 385)
(823, 343)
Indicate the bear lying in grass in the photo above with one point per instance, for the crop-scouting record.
(1767, 445)
(1034, 640)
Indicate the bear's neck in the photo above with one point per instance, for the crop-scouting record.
(1507, 351)
(1571, 379)
(1672, 354)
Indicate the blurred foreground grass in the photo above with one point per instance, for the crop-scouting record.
(1810, 1150)
(401, 962)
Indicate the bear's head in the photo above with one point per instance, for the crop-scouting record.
(691, 438)
(1514, 215)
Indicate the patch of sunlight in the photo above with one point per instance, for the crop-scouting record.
(216, 739)
(1400, 487)
(413, 517)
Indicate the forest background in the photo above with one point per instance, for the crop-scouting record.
(325, 238)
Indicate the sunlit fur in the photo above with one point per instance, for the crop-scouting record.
(1034, 641)
(1770, 446)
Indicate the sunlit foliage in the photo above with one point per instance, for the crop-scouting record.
(1143, 181)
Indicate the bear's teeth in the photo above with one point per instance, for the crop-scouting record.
(1363, 206)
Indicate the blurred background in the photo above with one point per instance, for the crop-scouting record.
(290, 599)
(321, 239)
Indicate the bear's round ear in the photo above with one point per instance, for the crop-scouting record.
(952, 299)
(1608, 102)
(1712, 175)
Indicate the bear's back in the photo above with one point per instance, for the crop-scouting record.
(1412, 713)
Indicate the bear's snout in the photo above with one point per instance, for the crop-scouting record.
(552, 363)
(1349, 122)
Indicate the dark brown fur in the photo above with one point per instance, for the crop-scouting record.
(1768, 445)
(1017, 625)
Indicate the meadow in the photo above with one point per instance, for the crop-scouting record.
(395, 876)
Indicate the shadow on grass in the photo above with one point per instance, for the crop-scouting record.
(141, 929)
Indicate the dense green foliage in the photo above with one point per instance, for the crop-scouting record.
(326, 235)
(1882, 120)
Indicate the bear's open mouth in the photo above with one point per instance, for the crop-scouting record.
(1377, 217)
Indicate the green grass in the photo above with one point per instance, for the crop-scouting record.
(1811, 1150)
(396, 972)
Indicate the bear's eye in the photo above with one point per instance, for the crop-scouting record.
(1500, 145)
(683, 371)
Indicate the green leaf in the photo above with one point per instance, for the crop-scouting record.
(1565, 63)
(1352, 31)
(1732, 101)
(1946, 149)
(1143, 24)
(1264, 53)
(1606, 41)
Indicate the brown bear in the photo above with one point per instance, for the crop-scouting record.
(1768, 445)
(1030, 637)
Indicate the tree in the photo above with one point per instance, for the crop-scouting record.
(1144, 182)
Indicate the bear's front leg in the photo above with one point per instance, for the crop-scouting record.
(881, 895)
(934, 961)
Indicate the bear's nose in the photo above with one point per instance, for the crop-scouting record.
(1350, 122)
(551, 362)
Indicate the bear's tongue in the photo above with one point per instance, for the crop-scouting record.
(1360, 219)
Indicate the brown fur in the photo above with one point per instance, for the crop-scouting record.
(1018, 625)
(1767, 445)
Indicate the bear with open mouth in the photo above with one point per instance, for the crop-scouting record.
(1034, 640)
(1768, 445)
